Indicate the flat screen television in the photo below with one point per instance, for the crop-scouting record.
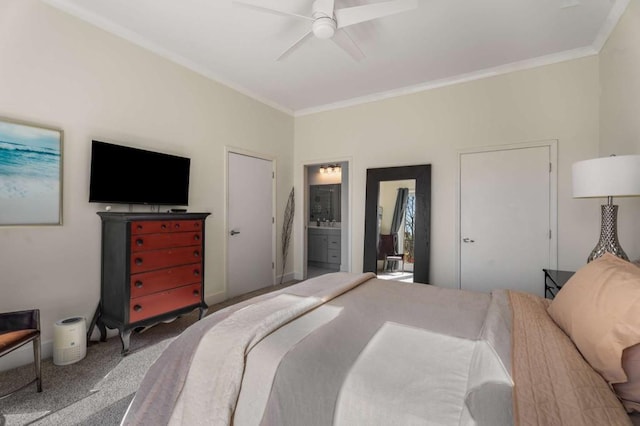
(121, 174)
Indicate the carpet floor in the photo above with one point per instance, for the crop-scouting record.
(98, 389)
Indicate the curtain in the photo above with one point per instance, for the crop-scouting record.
(398, 214)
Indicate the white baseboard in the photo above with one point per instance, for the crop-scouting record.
(24, 355)
(219, 297)
(286, 277)
(212, 299)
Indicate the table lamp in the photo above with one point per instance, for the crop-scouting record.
(615, 176)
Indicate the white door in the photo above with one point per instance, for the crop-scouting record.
(505, 219)
(250, 254)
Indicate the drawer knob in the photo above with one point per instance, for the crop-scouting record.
(196, 237)
(177, 226)
(137, 308)
(163, 226)
(139, 242)
(139, 227)
(196, 253)
(196, 272)
(196, 292)
(197, 225)
(138, 284)
(138, 261)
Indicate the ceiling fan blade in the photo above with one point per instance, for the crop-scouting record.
(294, 46)
(357, 14)
(344, 41)
(273, 11)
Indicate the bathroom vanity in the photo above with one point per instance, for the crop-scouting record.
(324, 246)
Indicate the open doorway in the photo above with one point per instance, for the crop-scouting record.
(326, 218)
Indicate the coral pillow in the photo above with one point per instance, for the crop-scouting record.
(599, 308)
(629, 392)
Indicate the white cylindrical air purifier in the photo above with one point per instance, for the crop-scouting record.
(69, 340)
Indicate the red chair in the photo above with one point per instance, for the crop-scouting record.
(387, 251)
(18, 329)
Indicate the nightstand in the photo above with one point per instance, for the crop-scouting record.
(554, 280)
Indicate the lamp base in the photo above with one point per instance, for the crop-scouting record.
(608, 235)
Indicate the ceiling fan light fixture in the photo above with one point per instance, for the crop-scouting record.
(324, 27)
(326, 20)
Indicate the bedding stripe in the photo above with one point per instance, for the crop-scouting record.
(214, 396)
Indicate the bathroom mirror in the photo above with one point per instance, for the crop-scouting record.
(324, 202)
(422, 176)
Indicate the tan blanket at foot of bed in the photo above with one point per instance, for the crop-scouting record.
(554, 385)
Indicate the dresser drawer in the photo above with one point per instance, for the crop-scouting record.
(155, 226)
(165, 279)
(157, 259)
(159, 303)
(150, 226)
(168, 239)
(186, 225)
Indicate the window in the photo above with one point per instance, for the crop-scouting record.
(409, 227)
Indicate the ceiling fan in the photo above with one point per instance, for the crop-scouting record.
(328, 23)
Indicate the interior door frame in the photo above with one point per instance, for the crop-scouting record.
(553, 197)
(306, 208)
(233, 150)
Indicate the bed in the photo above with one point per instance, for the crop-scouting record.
(350, 349)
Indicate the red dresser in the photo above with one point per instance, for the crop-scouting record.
(152, 270)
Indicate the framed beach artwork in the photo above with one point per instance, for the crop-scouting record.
(30, 174)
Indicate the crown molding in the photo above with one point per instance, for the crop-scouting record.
(137, 39)
(462, 78)
(607, 28)
(616, 12)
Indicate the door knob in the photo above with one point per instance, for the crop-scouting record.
(468, 240)
(234, 232)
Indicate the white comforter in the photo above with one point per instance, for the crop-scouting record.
(333, 351)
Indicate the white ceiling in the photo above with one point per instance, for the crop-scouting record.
(441, 42)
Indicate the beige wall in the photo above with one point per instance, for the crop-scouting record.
(620, 112)
(620, 86)
(59, 71)
(553, 102)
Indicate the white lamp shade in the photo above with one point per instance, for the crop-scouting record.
(615, 176)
